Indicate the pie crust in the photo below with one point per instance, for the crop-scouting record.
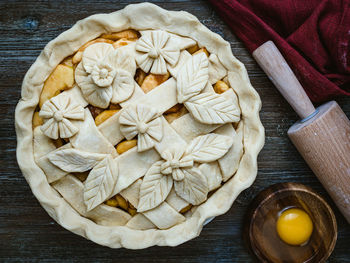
(201, 157)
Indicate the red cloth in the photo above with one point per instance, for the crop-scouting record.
(312, 35)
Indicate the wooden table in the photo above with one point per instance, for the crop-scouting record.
(27, 233)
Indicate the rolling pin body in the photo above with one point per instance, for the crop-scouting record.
(322, 137)
(324, 143)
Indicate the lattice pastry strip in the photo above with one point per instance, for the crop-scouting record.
(42, 144)
(72, 190)
(90, 139)
(53, 173)
(164, 94)
(140, 222)
(230, 161)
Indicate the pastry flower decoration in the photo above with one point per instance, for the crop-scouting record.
(101, 180)
(106, 74)
(57, 114)
(174, 162)
(177, 170)
(205, 106)
(143, 121)
(155, 49)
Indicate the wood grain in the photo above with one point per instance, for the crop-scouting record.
(28, 234)
(324, 142)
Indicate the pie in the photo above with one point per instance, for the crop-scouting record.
(137, 127)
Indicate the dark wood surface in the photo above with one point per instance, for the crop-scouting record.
(28, 234)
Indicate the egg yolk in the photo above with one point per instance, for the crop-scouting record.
(294, 226)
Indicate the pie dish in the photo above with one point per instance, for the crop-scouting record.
(136, 127)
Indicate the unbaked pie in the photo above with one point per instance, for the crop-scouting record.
(136, 127)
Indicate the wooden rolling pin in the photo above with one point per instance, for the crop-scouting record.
(322, 136)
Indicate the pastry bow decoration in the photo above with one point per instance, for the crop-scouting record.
(144, 121)
(155, 48)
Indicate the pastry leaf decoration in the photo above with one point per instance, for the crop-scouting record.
(143, 121)
(100, 182)
(105, 74)
(212, 108)
(155, 49)
(208, 148)
(194, 187)
(57, 114)
(192, 77)
(74, 160)
(154, 189)
(206, 107)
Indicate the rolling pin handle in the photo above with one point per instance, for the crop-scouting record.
(276, 68)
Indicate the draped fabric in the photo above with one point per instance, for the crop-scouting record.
(312, 35)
